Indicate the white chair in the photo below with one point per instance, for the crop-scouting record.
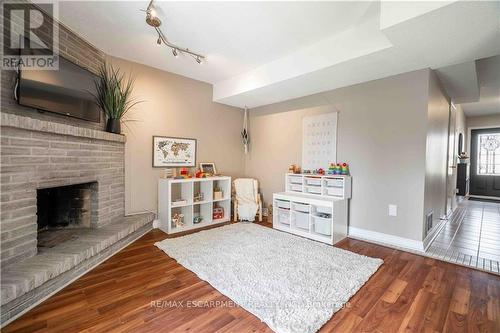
(246, 199)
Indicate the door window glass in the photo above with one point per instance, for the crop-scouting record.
(488, 154)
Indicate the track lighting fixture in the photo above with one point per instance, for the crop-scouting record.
(153, 20)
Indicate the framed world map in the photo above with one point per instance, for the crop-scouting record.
(170, 152)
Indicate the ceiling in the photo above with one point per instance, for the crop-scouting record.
(488, 76)
(265, 52)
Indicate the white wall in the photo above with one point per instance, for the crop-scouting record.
(381, 134)
(436, 150)
(180, 107)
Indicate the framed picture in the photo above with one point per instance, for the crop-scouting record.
(171, 152)
(208, 167)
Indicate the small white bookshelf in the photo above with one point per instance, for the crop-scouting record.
(182, 196)
(334, 186)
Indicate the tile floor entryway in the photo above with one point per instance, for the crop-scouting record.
(471, 237)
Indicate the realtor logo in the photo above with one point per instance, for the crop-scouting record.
(30, 36)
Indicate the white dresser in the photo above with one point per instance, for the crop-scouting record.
(313, 206)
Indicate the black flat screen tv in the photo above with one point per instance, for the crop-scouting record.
(66, 91)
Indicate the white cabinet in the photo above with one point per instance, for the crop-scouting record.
(193, 200)
(320, 218)
(314, 206)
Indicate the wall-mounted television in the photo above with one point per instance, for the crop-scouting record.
(66, 91)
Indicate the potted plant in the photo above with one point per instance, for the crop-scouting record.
(114, 96)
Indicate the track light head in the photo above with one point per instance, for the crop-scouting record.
(198, 60)
(158, 41)
(174, 52)
(152, 19)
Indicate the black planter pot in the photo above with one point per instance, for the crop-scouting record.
(113, 126)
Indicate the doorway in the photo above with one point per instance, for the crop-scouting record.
(485, 162)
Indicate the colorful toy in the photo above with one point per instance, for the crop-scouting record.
(218, 213)
(197, 219)
(345, 169)
(184, 172)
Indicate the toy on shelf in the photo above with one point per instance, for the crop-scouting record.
(218, 193)
(200, 174)
(198, 197)
(319, 171)
(197, 219)
(177, 220)
(218, 213)
(294, 168)
(345, 169)
(184, 172)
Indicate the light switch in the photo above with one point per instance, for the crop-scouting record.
(393, 210)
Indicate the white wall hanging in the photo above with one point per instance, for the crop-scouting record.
(244, 133)
(319, 141)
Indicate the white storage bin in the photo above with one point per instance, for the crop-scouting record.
(296, 188)
(295, 180)
(335, 191)
(314, 190)
(301, 220)
(313, 181)
(283, 216)
(323, 226)
(334, 182)
(283, 204)
(300, 207)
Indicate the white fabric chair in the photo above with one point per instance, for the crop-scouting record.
(247, 200)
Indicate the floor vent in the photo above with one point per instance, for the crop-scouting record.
(428, 222)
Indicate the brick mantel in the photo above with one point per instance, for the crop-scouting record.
(28, 123)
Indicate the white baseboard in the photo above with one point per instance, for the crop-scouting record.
(433, 233)
(386, 239)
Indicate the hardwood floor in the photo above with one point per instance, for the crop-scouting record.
(409, 293)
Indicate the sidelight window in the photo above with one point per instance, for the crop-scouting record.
(488, 154)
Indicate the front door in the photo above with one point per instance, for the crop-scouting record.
(485, 162)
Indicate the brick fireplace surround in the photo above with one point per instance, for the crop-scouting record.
(43, 150)
(37, 154)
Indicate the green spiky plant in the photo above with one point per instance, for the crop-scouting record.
(114, 95)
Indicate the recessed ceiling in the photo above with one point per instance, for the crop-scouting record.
(488, 72)
(264, 52)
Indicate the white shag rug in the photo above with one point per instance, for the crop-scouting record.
(291, 283)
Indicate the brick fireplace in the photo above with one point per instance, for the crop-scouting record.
(35, 156)
(62, 206)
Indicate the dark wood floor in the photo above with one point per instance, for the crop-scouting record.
(408, 293)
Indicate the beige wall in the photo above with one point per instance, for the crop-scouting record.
(436, 150)
(381, 134)
(180, 107)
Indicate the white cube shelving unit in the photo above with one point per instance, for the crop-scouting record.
(313, 206)
(178, 196)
